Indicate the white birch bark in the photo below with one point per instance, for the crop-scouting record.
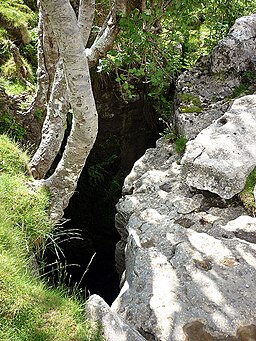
(51, 97)
(85, 18)
(63, 182)
(71, 35)
(48, 55)
(54, 126)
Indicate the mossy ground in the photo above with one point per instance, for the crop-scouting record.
(247, 195)
(29, 308)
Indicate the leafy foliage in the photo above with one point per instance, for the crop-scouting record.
(153, 47)
(97, 171)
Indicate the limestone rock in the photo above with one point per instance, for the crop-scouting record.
(190, 258)
(114, 328)
(205, 92)
(238, 50)
(221, 157)
(201, 99)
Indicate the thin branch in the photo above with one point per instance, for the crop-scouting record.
(105, 38)
(85, 18)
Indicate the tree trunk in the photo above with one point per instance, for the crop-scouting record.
(54, 126)
(63, 182)
(48, 55)
(71, 35)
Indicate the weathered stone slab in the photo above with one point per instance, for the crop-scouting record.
(238, 50)
(114, 328)
(190, 258)
(180, 282)
(204, 93)
(221, 157)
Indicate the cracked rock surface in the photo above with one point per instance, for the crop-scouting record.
(206, 92)
(221, 157)
(190, 257)
(187, 256)
(113, 326)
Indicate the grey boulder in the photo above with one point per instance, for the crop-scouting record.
(221, 157)
(114, 328)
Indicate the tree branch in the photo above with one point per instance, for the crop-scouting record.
(86, 17)
(62, 183)
(103, 42)
(54, 126)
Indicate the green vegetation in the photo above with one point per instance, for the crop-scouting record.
(180, 144)
(155, 46)
(18, 46)
(247, 195)
(11, 127)
(247, 86)
(29, 309)
(190, 103)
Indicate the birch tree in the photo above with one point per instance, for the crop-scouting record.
(65, 84)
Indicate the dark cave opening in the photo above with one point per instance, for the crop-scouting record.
(125, 132)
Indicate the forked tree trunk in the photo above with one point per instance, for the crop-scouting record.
(72, 84)
(63, 182)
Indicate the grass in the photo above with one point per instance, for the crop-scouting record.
(247, 195)
(8, 124)
(29, 308)
(180, 144)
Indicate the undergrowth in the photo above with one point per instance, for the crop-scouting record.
(247, 195)
(29, 308)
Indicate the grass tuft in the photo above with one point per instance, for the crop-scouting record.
(180, 144)
(29, 308)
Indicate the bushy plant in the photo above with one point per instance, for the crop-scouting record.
(19, 29)
(155, 46)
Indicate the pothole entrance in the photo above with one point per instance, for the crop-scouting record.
(123, 137)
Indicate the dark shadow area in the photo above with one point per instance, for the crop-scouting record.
(126, 130)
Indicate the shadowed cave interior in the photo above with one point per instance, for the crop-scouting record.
(125, 132)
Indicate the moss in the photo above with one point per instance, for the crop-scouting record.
(190, 103)
(190, 109)
(15, 17)
(188, 98)
(247, 196)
